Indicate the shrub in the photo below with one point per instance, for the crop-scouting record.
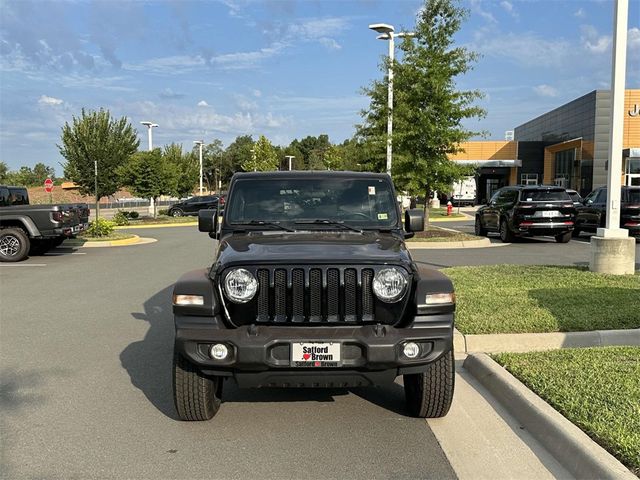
(133, 214)
(100, 228)
(163, 211)
(121, 218)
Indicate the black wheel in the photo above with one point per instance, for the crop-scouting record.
(196, 396)
(480, 231)
(576, 232)
(429, 394)
(14, 245)
(564, 238)
(505, 234)
(176, 212)
(40, 246)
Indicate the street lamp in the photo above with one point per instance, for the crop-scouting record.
(253, 157)
(289, 157)
(200, 143)
(150, 126)
(386, 32)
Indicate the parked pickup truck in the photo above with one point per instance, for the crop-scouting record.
(34, 229)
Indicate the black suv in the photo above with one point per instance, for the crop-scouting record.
(528, 211)
(593, 213)
(193, 205)
(312, 286)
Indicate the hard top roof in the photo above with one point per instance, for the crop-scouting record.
(309, 174)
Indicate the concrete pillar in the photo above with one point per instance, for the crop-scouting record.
(615, 256)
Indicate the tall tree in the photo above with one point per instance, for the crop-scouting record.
(185, 166)
(263, 158)
(96, 136)
(237, 154)
(149, 175)
(41, 172)
(4, 172)
(428, 109)
(213, 163)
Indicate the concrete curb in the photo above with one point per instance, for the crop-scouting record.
(160, 225)
(127, 242)
(482, 243)
(573, 448)
(462, 218)
(529, 342)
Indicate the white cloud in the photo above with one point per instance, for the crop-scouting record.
(329, 43)
(580, 13)
(545, 90)
(525, 49)
(592, 41)
(242, 60)
(508, 6)
(203, 103)
(46, 100)
(257, 93)
(168, 93)
(166, 65)
(633, 39)
(476, 7)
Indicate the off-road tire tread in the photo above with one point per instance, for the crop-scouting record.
(25, 244)
(433, 389)
(196, 396)
(509, 236)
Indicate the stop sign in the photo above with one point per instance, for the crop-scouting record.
(48, 185)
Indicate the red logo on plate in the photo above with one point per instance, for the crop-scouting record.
(317, 364)
(306, 356)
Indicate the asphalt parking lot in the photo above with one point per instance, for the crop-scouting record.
(86, 389)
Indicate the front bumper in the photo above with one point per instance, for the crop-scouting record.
(260, 356)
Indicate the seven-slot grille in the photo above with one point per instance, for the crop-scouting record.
(314, 295)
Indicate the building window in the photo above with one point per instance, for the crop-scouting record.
(529, 179)
(633, 172)
(564, 166)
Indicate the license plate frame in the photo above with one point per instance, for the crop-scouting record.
(549, 213)
(316, 354)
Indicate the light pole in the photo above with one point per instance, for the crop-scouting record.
(289, 157)
(150, 126)
(200, 143)
(612, 250)
(387, 32)
(253, 157)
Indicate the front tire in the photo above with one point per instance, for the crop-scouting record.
(176, 212)
(429, 394)
(14, 245)
(564, 238)
(479, 230)
(197, 397)
(505, 234)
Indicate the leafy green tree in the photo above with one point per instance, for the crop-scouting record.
(263, 158)
(185, 166)
(428, 109)
(41, 172)
(4, 172)
(333, 158)
(237, 154)
(212, 163)
(297, 162)
(96, 136)
(149, 175)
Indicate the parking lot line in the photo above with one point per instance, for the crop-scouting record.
(23, 265)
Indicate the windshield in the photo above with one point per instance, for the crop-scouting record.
(367, 202)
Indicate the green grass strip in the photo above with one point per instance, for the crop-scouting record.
(529, 299)
(598, 389)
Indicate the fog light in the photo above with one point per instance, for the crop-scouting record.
(411, 350)
(219, 351)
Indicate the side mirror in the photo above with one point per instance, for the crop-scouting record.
(414, 220)
(208, 220)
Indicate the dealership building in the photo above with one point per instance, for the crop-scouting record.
(568, 147)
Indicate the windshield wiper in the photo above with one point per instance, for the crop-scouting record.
(332, 223)
(262, 223)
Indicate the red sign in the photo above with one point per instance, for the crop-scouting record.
(48, 185)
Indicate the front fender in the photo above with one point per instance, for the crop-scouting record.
(196, 282)
(431, 281)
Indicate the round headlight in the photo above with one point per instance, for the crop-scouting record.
(389, 284)
(240, 285)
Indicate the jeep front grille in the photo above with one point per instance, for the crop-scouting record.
(314, 295)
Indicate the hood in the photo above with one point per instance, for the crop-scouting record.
(311, 248)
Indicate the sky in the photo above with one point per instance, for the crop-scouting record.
(285, 69)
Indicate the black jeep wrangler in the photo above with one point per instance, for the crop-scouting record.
(312, 286)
